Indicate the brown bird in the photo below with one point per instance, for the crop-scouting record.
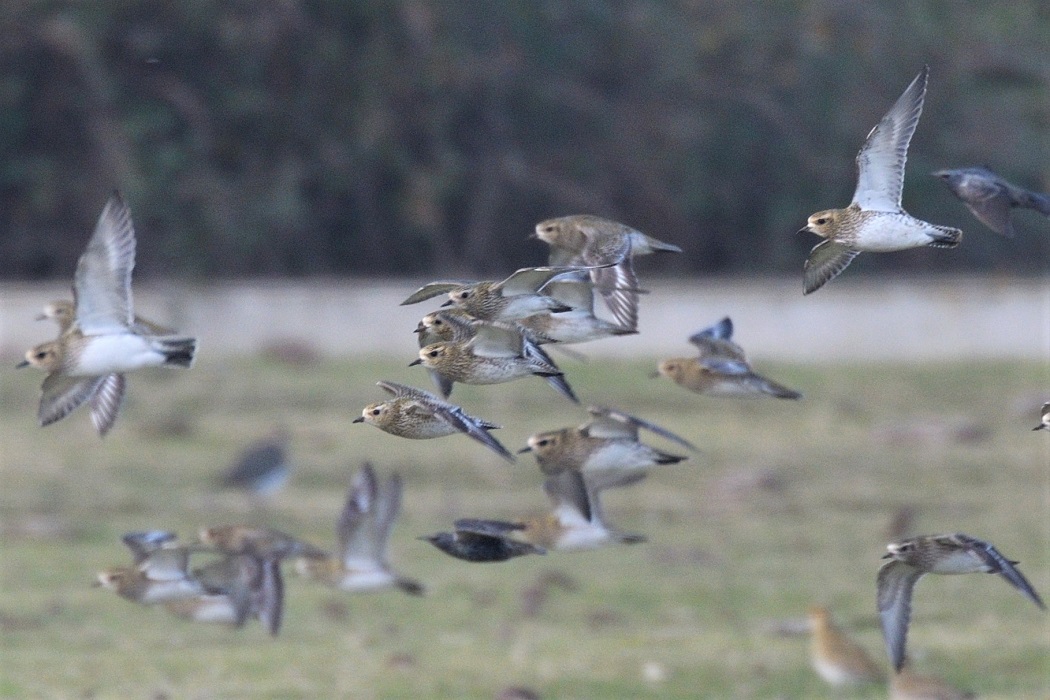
(835, 657)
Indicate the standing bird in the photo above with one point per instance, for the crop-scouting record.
(478, 541)
(910, 559)
(1044, 420)
(836, 658)
(88, 361)
(990, 198)
(721, 369)
(608, 445)
(575, 523)
(583, 239)
(517, 296)
(262, 467)
(419, 415)
(363, 534)
(874, 221)
(495, 354)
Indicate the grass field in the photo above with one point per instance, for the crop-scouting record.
(786, 505)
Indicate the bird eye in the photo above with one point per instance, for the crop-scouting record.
(548, 229)
(433, 353)
(376, 411)
(464, 295)
(438, 321)
(822, 220)
(543, 443)
(41, 355)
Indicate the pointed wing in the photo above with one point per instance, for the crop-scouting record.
(575, 291)
(714, 343)
(431, 290)
(568, 494)
(102, 283)
(826, 261)
(105, 402)
(993, 211)
(612, 423)
(270, 605)
(880, 162)
(473, 427)
(893, 593)
(387, 507)
(60, 395)
(1005, 568)
(166, 564)
(353, 531)
(443, 383)
(405, 390)
(723, 330)
(142, 544)
(618, 286)
(529, 280)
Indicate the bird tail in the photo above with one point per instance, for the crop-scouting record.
(778, 390)
(946, 237)
(178, 352)
(1037, 201)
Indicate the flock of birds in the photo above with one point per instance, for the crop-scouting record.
(494, 332)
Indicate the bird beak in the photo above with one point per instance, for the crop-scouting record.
(940, 173)
(447, 303)
(359, 419)
(417, 361)
(804, 229)
(420, 328)
(887, 555)
(525, 449)
(655, 374)
(43, 317)
(23, 363)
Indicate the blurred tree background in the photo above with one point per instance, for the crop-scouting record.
(300, 137)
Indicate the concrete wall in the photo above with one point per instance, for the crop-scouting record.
(871, 319)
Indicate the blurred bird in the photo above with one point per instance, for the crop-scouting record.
(835, 657)
(721, 369)
(262, 467)
(908, 685)
(476, 541)
(990, 198)
(63, 312)
(1044, 420)
(578, 324)
(518, 296)
(583, 239)
(159, 572)
(363, 534)
(419, 415)
(495, 354)
(88, 361)
(934, 554)
(238, 587)
(260, 542)
(576, 523)
(606, 444)
(874, 221)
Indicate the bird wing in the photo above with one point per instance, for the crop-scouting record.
(478, 529)
(353, 532)
(105, 402)
(826, 261)
(142, 544)
(387, 507)
(993, 209)
(880, 162)
(473, 427)
(618, 286)
(999, 564)
(714, 342)
(60, 395)
(529, 280)
(431, 290)
(894, 586)
(102, 283)
(495, 340)
(575, 291)
(607, 420)
(568, 494)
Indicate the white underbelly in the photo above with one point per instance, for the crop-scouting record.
(114, 354)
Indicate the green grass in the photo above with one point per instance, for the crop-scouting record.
(785, 506)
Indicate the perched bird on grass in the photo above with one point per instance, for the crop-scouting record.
(420, 415)
(584, 239)
(991, 198)
(575, 523)
(495, 354)
(607, 444)
(363, 534)
(260, 542)
(262, 467)
(88, 361)
(721, 369)
(874, 221)
(911, 559)
(1044, 419)
(478, 541)
(836, 658)
(518, 296)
